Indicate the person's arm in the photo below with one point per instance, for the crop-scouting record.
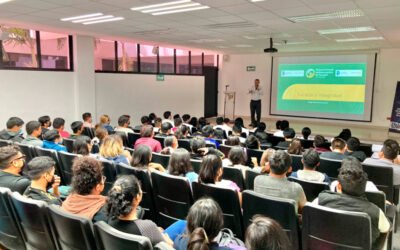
(383, 224)
(302, 200)
(56, 184)
(22, 184)
(157, 166)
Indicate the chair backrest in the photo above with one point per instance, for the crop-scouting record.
(253, 153)
(196, 165)
(132, 138)
(366, 148)
(274, 140)
(173, 197)
(53, 154)
(307, 143)
(66, 161)
(382, 177)
(250, 176)
(161, 159)
(281, 210)
(327, 228)
(71, 231)
(27, 150)
(10, 231)
(109, 238)
(32, 216)
(124, 138)
(160, 139)
(147, 203)
(329, 167)
(228, 200)
(69, 144)
(378, 198)
(184, 143)
(296, 162)
(110, 173)
(88, 132)
(4, 143)
(225, 149)
(311, 189)
(235, 175)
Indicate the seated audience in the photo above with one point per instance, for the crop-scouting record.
(142, 159)
(282, 126)
(123, 124)
(105, 123)
(232, 141)
(87, 120)
(208, 133)
(82, 146)
(182, 132)
(52, 140)
(288, 134)
(186, 121)
(59, 125)
(168, 118)
(165, 129)
(222, 125)
(177, 124)
(309, 172)
(338, 148)
(345, 134)
(112, 149)
(260, 133)
(236, 159)
(252, 142)
(180, 165)
(219, 134)
(11, 163)
(146, 138)
(239, 122)
(157, 125)
(351, 197)
(276, 184)
(195, 124)
(77, 129)
(144, 120)
(88, 182)
(264, 161)
(295, 147)
(265, 233)
(34, 131)
(237, 131)
(100, 134)
(170, 145)
(152, 118)
(13, 132)
(199, 149)
(41, 171)
(202, 122)
(45, 122)
(352, 149)
(306, 132)
(319, 144)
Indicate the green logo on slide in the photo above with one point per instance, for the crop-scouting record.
(310, 73)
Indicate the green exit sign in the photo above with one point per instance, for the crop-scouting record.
(160, 77)
(251, 68)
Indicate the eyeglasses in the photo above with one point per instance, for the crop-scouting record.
(23, 157)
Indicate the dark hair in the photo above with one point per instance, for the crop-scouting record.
(351, 177)
(165, 126)
(31, 126)
(295, 147)
(145, 120)
(261, 126)
(86, 116)
(239, 122)
(6, 155)
(232, 141)
(51, 135)
(345, 134)
(289, 133)
(177, 122)
(101, 133)
(319, 141)
(157, 121)
(227, 120)
(176, 116)
(76, 126)
(168, 141)
(280, 162)
(265, 233)
(86, 174)
(252, 142)
(121, 196)
(338, 143)
(14, 122)
(353, 143)
(146, 131)
(204, 221)
(185, 117)
(284, 124)
(152, 116)
(167, 114)
(122, 120)
(181, 132)
(202, 122)
(209, 168)
(237, 156)
(219, 120)
(194, 122)
(237, 129)
(310, 159)
(179, 163)
(81, 145)
(390, 149)
(141, 156)
(278, 124)
(219, 133)
(58, 122)
(306, 132)
(44, 119)
(196, 143)
(39, 166)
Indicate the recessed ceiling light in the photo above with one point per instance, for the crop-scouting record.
(159, 5)
(180, 10)
(360, 39)
(327, 16)
(254, 1)
(5, 1)
(80, 17)
(92, 19)
(346, 30)
(105, 20)
(171, 7)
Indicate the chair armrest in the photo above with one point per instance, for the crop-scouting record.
(163, 246)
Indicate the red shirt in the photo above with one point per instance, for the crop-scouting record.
(64, 134)
(152, 143)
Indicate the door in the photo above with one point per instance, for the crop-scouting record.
(210, 91)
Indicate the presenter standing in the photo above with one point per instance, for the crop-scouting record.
(255, 103)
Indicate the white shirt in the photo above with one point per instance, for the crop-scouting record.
(224, 127)
(256, 94)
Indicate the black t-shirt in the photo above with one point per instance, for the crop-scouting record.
(16, 183)
(37, 194)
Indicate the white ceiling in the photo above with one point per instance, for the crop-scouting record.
(194, 29)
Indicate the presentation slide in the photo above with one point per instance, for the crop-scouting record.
(333, 87)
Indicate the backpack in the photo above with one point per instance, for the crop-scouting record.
(226, 238)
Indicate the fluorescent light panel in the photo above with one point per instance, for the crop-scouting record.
(328, 16)
(346, 30)
(159, 5)
(171, 7)
(360, 39)
(80, 17)
(92, 19)
(106, 20)
(254, 1)
(180, 10)
(5, 1)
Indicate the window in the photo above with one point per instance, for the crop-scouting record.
(104, 55)
(54, 49)
(182, 61)
(197, 63)
(148, 58)
(127, 57)
(166, 60)
(210, 60)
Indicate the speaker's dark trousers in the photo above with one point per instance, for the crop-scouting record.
(255, 109)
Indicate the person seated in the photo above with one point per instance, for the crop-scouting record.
(123, 124)
(276, 184)
(168, 118)
(34, 131)
(239, 123)
(186, 121)
(59, 125)
(180, 165)
(282, 126)
(351, 197)
(77, 129)
(165, 130)
(236, 159)
(142, 159)
(345, 134)
(52, 140)
(260, 133)
(237, 131)
(306, 132)
(338, 148)
(202, 122)
(41, 171)
(45, 122)
(295, 147)
(99, 135)
(177, 124)
(170, 145)
(146, 138)
(208, 133)
(182, 132)
(14, 130)
(232, 141)
(320, 144)
(199, 149)
(195, 124)
(152, 117)
(222, 125)
(352, 149)
(219, 134)
(87, 120)
(266, 233)
(82, 146)
(310, 162)
(157, 125)
(288, 134)
(144, 120)
(105, 123)
(88, 183)
(264, 161)
(252, 142)
(11, 163)
(112, 149)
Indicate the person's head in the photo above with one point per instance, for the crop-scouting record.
(197, 143)
(194, 122)
(52, 135)
(45, 121)
(146, 131)
(77, 127)
(124, 121)
(232, 141)
(262, 126)
(14, 124)
(171, 141)
(280, 162)
(152, 116)
(353, 144)
(319, 141)
(352, 178)
(284, 125)
(219, 133)
(105, 120)
(186, 118)
(256, 83)
(289, 133)
(211, 169)
(124, 196)
(167, 115)
(41, 168)
(345, 134)
(11, 159)
(182, 132)
(82, 145)
(101, 133)
(306, 132)
(58, 123)
(310, 159)
(295, 147)
(265, 233)
(111, 147)
(87, 117)
(179, 163)
(177, 122)
(87, 176)
(236, 130)
(33, 128)
(157, 122)
(239, 122)
(145, 120)
(204, 221)
(202, 122)
(227, 120)
(278, 124)
(267, 155)
(252, 142)
(207, 131)
(176, 116)
(338, 145)
(237, 156)
(390, 149)
(141, 156)
(166, 128)
(219, 120)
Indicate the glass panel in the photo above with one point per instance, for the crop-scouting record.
(166, 60)
(104, 55)
(210, 60)
(196, 60)
(148, 59)
(127, 57)
(182, 61)
(55, 50)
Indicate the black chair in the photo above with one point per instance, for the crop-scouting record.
(173, 197)
(124, 138)
(274, 140)
(366, 148)
(110, 173)
(327, 228)
(225, 149)
(250, 176)
(228, 200)
(71, 231)
(311, 189)
(4, 143)
(382, 177)
(53, 154)
(378, 198)
(235, 175)
(10, 231)
(196, 165)
(132, 138)
(69, 144)
(147, 203)
(161, 159)
(27, 150)
(184, 143)
(66, 160)
(109, 238)
(296, 162)
(253, 153)
(160, 139)
(329, 167)
(32, 216)
(307, 143)
(281, 210)
(88, 132)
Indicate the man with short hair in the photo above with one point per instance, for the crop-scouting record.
(59, 125)
(170, 144)
(157, 125)
(338, 146)
(260, 133)
(144, 120)
(276, 184)
(77, 129)
(186, 120)
(237, 131)
(208, 133)
(34, 131)
(11, 163)
(146, 138)
(310, 162)
(167, 118)
(284, 124)
(352, 149)
(52, 140)
(222, 125)
(87, 120)
(256, 93)
(45, 122)
(13, 131)
(165, 129)
(288, 134)
(319, 144)
(123, 125)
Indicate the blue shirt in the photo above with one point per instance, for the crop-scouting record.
(118, 159)
(192, 176)
(54, 146)
(213, 141)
